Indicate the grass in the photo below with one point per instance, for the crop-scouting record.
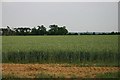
(109, 75)
(86, 49)
(9, 76)
(44, 75)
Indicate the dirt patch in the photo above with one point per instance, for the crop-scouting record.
(31, 70)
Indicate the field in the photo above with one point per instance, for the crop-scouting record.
(101, 50)
(81, 51)
(55, 71)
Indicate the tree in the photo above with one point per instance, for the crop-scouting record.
(63, 30)
(8, 30)
(26, 31)
(41, 30)
(4, 31)
(55, 30)
(34, 31)
(16, 31)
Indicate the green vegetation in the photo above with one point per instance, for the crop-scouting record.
(44, 75)
(40, 30)
(101, 50)
(109, 75)
(9, 76)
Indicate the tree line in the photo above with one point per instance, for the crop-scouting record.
(95, 33)
(39, 30)
(54, 30)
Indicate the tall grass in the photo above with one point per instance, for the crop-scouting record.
(97, 49)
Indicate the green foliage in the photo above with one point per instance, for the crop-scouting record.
(92, 50)
(55, 30)
(40, 30)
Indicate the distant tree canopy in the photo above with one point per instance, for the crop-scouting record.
(54, 30)
(39, 30)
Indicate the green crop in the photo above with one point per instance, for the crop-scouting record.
(82, 49)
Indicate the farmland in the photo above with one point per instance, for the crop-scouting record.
(100, 49)
(55, 71)
(79, 55)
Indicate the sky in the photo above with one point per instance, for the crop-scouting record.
(119, 17)
(60, 0)
(76, 16)
(0, 14)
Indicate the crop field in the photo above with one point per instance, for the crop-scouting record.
(77, 52)
(101, 50)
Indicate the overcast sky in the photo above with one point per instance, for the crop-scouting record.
(76, 16)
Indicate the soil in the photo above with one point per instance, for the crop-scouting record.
(58, 70)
